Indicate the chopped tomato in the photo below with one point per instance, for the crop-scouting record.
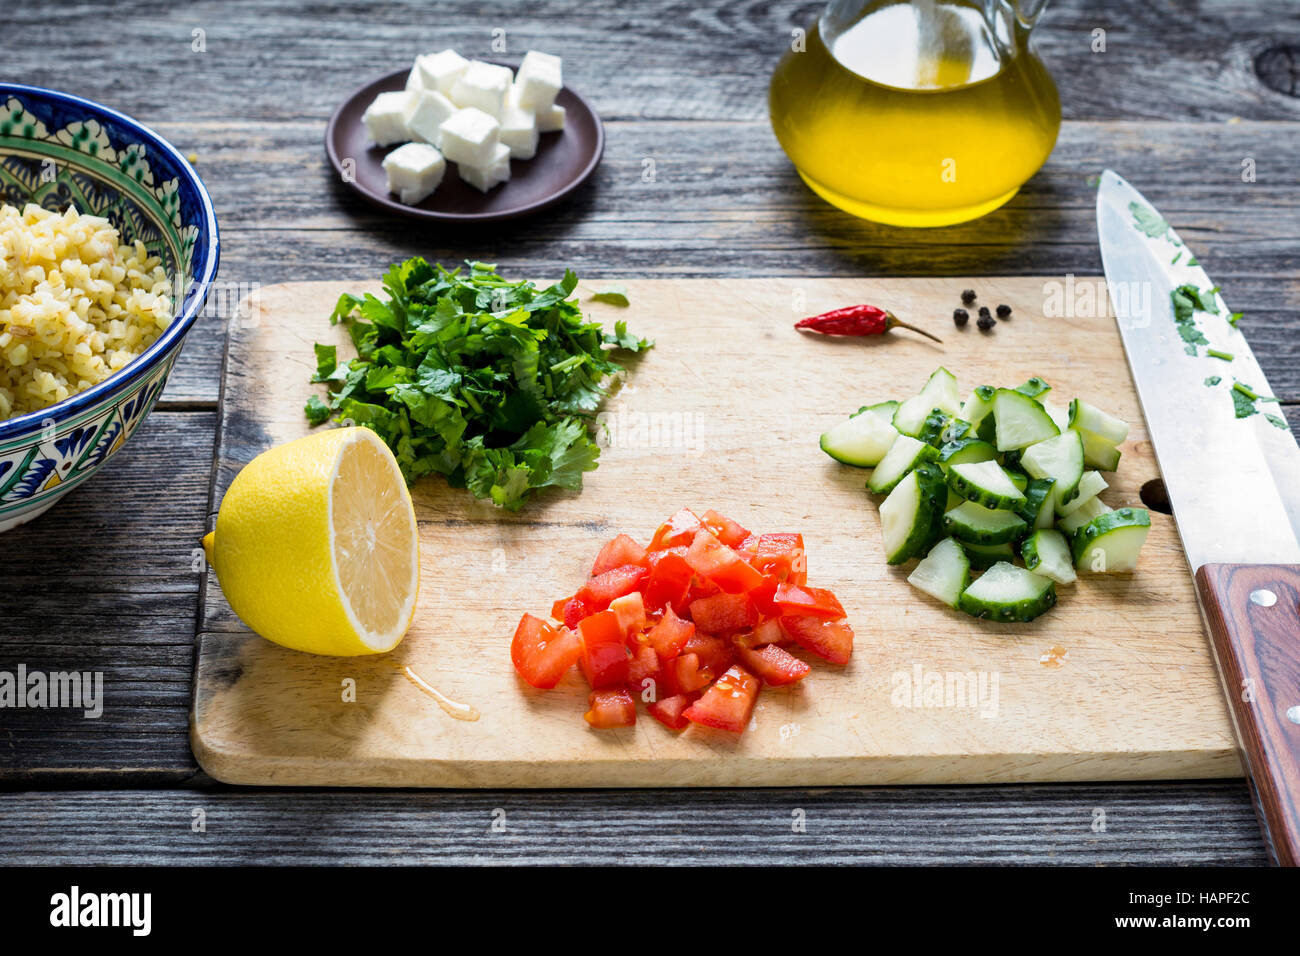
(644, 663)
(800, 599)
(677, 530)
(603, 588)
(723, 613)
(768, 631)
(669, 711)
(727, 531)
(610, 708)
(714, 654)
(619, 553)
(748, 548)
(832, 640)
(763, 598)
(713, 559)
(543, 653)
(604, 655)
(729, 703)
(669, 581)
(670, 635)
(773, 663)
(630, 609)
(782, 555)
(686, 673)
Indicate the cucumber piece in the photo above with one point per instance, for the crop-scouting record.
(882, 410)
(979, 525)
(1090, 486)
(987, 429)
(1011, 460)
(941, 428)
(986, 555)
(1112, 541)
(1060, 458)
(1038, 507)
(1060, 417)
(861, 441)
(1034, 388)
(965, 450)
(1019, 420)
(910, 517)
(1092, 508)
(954, 500)
(943, 573)
(980, 403)
(1046, 552)
(1098, 453)
(1018, 478)
(1007, 593)
(939, 392)
(986, 483)
(1089, 418)
(904, 455)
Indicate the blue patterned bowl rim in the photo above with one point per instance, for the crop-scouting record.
(201, 278)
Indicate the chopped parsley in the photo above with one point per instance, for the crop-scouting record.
(1244, 398)
(614, 294)
(1212, 381)
(1147, 220)
(488, 382)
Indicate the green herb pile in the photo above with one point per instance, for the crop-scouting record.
(489, 382)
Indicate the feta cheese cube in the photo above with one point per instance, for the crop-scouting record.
(539, 81)
(492, 173)
(439, 72)
(425, 114)
(470, 136)
(550, 119)
(518, 128)
(385, 118)
(483, 86)
(414, 171)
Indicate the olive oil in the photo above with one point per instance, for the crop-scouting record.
(915, 114)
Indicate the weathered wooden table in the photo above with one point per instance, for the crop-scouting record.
(107, 581)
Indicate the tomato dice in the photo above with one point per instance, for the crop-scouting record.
(610, 708)
(723, 613)
(603, 588)
(721, 565)
(687, 675)
(668, 583)
(670, 635)
(782, 555)
(714, 654)
(832, 640)
(728, 703)
(795, 600)
(669, 711)
(543, 653)
(604, 653)
(619, 553)
(644, 664)
(677, 530)
(773, 663)
(630, 610)
(727, 531)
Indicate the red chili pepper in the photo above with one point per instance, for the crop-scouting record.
(857, 320)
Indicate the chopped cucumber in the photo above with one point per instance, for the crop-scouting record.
(1019, 420)
(1060, 417)
(861, 441)
(1092, 508)
(940, 392)
(954, 499)
(904, 455)
(979, 525)
(1098, 453)
(980, 403)
(941, 428)
(1034, 388)
(986, 555)
(943, 573)
(1090, 486)
(986, 483)
(1111, 542)
(1007, 593)
(911, 516)
(1018, 478)
(882, 410)
(1046, 552)
(1060, 458)
(1038, 507)
(965, 450)
(1089, 418)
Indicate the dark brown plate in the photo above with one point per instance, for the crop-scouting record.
(563, 162)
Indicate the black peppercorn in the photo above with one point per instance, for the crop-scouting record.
(984, 310)
(968, 296)
(960, 317)
(1004, 311)
(985, 322)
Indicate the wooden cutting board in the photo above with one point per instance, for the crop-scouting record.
(1115, 683)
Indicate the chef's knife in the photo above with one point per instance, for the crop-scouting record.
(1234, 485)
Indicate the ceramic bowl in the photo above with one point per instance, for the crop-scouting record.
(57, 150)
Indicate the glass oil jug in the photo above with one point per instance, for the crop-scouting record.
(920, 113)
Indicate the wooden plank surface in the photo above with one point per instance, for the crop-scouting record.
(253, 110)
(1137, 699)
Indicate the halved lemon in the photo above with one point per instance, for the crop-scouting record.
(316, 545)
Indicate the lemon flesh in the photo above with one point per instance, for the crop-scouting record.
(316, 546)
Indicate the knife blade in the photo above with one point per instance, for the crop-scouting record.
(1234, 487)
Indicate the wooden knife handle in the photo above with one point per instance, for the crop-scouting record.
(1253, 612)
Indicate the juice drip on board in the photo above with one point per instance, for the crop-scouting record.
(449, 707)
